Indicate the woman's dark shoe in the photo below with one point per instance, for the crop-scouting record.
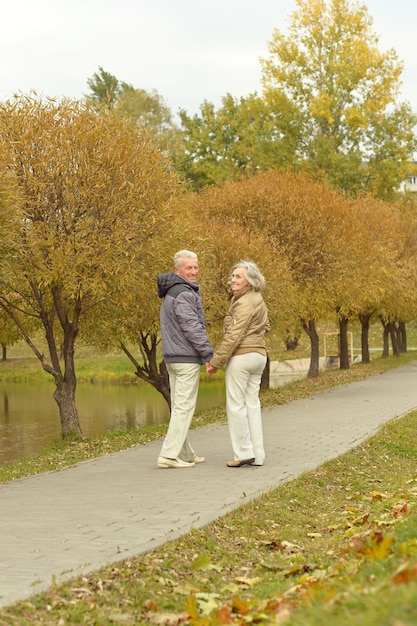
(240, 463)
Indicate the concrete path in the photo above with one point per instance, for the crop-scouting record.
(65, 523)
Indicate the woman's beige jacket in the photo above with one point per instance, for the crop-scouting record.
(244, 328)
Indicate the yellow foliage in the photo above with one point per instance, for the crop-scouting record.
(91, 216)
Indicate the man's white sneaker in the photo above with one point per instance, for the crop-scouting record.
(199, 459)
(164, 462)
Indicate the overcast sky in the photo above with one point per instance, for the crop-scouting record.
(187, 50)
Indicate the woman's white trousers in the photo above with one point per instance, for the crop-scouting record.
(243, 379)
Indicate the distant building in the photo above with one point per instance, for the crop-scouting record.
(409, 185)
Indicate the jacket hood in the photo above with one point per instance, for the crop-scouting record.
(169, 279)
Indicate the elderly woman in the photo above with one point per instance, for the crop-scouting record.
(243, 352)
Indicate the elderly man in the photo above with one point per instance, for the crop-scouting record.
(185, 347)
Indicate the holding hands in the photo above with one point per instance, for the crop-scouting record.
(210, 369)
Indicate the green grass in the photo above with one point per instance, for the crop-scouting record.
(335, 546)
(102, 369)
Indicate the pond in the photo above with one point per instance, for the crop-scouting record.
(29, 417)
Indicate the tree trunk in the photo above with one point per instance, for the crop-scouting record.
(343, 343)
(64, 396)
(150, 372)
(65, 384)
(402, 337)
(310, 329)
(4, 351)
(364, 319)
(265, 374)
(385, 336)
(65, 378)
(392, 330)
(165, 388)
(385, 348)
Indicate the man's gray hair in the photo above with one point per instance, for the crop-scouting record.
(253, 274)
(183, 254)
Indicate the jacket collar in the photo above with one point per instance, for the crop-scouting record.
(242, 292)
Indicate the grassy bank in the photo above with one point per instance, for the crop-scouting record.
(101, 369)
(346, 554)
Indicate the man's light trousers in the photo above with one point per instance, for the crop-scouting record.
(184, 379)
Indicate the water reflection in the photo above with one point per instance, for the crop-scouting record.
(29, 417)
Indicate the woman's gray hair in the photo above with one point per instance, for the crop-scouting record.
(253, 274)
(183, 254)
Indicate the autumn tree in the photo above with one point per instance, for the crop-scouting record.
(9, 195)
(104, 89)
(365, 270)
(87, 198)
(381, 283)
(301, 222)
(146, 109)
(226, 243)
(346, 90)
(128, 320)
(398, 304)
(375, 245)
(329, 104)
(149, 110)
(239, 138)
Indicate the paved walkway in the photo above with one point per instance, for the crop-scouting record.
(61, 524)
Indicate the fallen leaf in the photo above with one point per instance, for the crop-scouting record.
(380, 547)
(247, 582)
(204, 562)
(298, 569)
(399, 509)
(359, 521)
(224, 615)
(274, 567)
(207, 602)
(150, 605)
(358, 541)
(333, 527)
(378, 495)
(290, 548)
(405, 575)
(381, 523)
(184, 589)
(240, 606)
